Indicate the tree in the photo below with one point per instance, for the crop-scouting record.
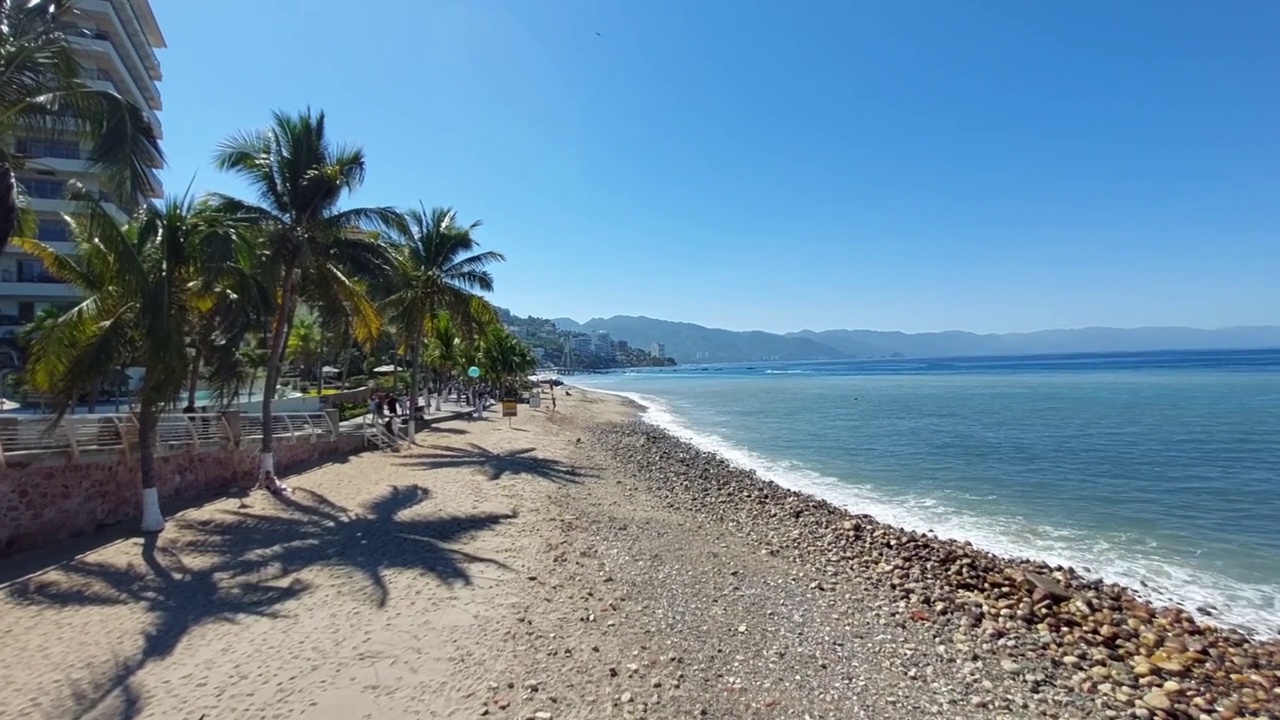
(436, 268)
(443, 350)
(305, 344)
(505, 360)
(137, 282)
(42, 93)
(300, 177)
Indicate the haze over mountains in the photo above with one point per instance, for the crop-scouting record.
(689, 343)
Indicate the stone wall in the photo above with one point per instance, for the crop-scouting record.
(40, 504)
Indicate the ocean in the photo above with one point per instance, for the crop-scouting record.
(1157, 470)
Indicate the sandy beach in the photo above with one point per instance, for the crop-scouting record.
(580, 565)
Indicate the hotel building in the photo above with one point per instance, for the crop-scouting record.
(118, 54)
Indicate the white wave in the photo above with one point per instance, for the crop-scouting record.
(787, 372)
(1249, 607)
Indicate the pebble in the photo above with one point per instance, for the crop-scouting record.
(1114, 651)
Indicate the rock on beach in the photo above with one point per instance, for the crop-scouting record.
(1098, 639)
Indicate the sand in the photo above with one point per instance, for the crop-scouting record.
(380, 590)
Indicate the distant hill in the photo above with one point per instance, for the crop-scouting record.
(689, 343)
(1084, 340)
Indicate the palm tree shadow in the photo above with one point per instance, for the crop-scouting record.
(373, 541)
(495, 465)
(176, 598)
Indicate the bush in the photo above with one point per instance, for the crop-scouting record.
(347, 411)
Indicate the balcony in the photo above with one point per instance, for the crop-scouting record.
(124, 15)
(103, 46)
(62, 248)
(61, 206)
(125, 28)
(37, 286)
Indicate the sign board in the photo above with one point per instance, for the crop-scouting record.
(508, 408)
(535, 401)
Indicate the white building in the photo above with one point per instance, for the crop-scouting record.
(658, 350)
(120, 56)
(581, 345)
(602, 344)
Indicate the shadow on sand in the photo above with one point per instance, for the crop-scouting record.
(244, 562)
(495, 465)
(175, 597)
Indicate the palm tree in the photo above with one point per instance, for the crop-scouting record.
(137, 282)
(308, 243)
(305, 344)
(43, 93)
(436, 267)
(443, 351)
(505, 360)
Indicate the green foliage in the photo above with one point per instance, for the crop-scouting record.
(347, 411)
(310, 248)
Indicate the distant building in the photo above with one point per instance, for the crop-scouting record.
(581, 344)
(602, 344)
(658, 350)
(622, 347)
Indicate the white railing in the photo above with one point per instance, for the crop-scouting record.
(293, 427)
(28, 438)
(377, 434)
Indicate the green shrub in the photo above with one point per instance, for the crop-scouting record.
(347, 411)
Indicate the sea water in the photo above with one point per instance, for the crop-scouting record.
(1157, 470)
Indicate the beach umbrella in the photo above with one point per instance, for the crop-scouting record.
(473, 371)
(329, 370)
(386, 369)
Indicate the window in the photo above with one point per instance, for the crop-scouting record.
(63, 149)
(53, 231)
(26, 311)
(30, 271)
(44, 188)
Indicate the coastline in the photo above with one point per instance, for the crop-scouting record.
(582, 564)
(1100, 639)
(1214, 595)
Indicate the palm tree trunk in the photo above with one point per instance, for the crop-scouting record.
(193, 380)
(279, 330)
(8, 198)
(148, 420)
(419, 338)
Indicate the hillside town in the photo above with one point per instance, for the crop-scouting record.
(571, 350)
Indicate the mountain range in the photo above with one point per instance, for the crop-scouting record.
(689, 343)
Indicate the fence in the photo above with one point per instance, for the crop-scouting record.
(28, 439)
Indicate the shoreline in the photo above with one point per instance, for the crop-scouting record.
(890, 511)
(1104, 638)
(581, 564)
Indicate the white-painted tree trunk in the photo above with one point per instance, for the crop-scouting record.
(266, 464)
(152, 519)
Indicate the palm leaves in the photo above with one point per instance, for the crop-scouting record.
(436, 267)
(141, 286)
(211, 288)
(41, 93)
(506, 360)
(309, 245)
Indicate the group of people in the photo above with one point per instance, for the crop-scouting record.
(386, 404)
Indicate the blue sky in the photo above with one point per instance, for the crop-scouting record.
(986, 166)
